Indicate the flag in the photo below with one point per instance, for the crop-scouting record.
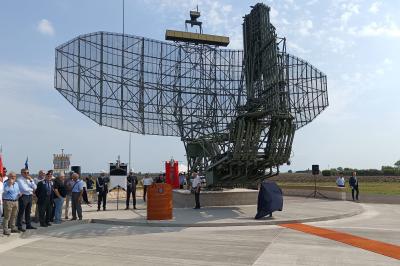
(26, 163)
(1, 164)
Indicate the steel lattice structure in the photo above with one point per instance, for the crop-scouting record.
(235, 111)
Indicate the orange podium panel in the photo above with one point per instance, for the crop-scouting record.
(159, 202)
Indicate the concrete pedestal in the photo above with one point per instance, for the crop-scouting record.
(229, 197)
(234, 197)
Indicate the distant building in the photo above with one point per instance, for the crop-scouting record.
(61, 162)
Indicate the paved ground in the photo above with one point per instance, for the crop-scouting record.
(295, 209)
(107, 244)
(373, 198)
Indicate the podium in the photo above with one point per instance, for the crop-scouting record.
(159, 202)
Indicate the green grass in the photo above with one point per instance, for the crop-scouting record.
(378, 188)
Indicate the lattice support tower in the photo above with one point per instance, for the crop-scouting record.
(236, 111)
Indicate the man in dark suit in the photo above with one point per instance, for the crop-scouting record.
(44, 193)
(102, 190)
(353, 182)
(131, 182)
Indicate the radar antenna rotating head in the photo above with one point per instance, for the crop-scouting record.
(194, 15)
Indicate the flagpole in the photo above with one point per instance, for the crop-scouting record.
(130, 151)
(123, 40)
(1, 163)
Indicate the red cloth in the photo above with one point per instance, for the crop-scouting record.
(1, 165)
(172, 174)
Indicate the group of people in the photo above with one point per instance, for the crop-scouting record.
(46, 192)
(353, 182)
(132, 181)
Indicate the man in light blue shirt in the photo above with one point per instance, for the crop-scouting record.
(10, 197)
(76, 197)
(26, 186)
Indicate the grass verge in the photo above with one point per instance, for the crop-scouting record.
(377, 188)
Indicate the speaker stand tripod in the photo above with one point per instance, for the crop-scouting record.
(118, 196)
(316, 192)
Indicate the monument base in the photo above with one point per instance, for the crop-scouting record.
(240, 196)
(227, 197)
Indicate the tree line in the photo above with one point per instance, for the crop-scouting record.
(385, 170)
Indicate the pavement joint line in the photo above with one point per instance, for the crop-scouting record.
(17, 242)
(386, 249)
(53, 229)
(77, 252)
(138, 213)
(261, 259)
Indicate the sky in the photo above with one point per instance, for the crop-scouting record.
(355, 42)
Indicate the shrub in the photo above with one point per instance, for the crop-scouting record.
(326, 172)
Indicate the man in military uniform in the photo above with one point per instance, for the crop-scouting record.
(131, 182)
(102, 190)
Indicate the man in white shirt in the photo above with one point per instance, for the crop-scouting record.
(147, 181)
(196, 186)
(26, 186)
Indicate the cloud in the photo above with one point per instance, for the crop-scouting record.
(350, 9)
(45, 27)
(296, 48)
(387, 61)
(338, 45)
(15, 78)
(384, 67)
(374, 8)
(305, 27)
(311, 2)
(380, 71)
(284, 21)
(274, 13)
(24, 88)
(377, 30)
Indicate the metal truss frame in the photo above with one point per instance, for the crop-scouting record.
(235, 111)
